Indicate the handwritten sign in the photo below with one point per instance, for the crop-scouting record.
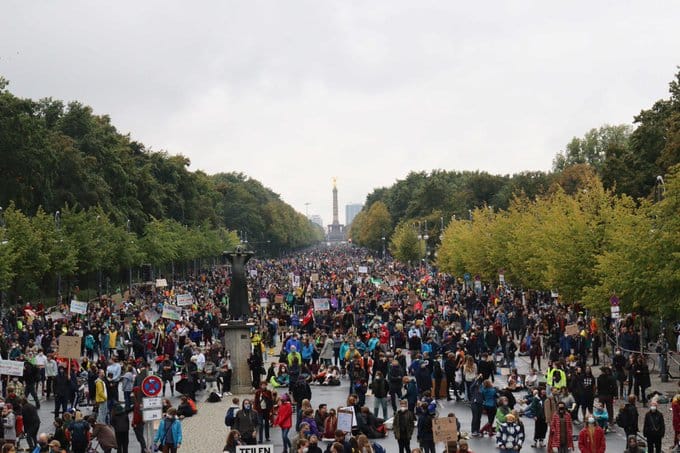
(345, 418)
(151, 316)
(571, 329)
(363, 269)
(69, 346)
(172, 312)
(161, 283)
(79, 307)
(12, 367)
(184, 300)
(314, 277)
(278, 299)
(322, 304)
(444, 429)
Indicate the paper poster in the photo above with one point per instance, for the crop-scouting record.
(79, 307)
(161, 283)
(172, 312)
(321, 304)
(184, 300)
(12, 367)
(151, 316)
(314, 277)
(571, 329)
(296, 281)
(345, 419)
(363, 269)
(444, 429)
(69, 346)
(253, 273)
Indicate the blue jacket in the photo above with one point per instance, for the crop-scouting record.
(176, 428)
(489, 394)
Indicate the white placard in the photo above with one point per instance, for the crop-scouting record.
(79, 307)
(12, 367)
(296, 281)
(152, 414)
(172, 312)
(184, 300)
(322, 304)
(253, 273)
(161, 283)
(363, 269)
(155, 402)
(268, 448)
(616, 313)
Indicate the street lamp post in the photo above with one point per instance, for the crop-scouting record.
(660, 190)
(3, 242)
(383, 244)
(130, 267)
(57, 226)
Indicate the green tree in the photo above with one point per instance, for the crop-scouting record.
(404, 244)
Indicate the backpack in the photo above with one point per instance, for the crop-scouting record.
(377, 448)
(230, 416)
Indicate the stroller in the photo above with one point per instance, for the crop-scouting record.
(82, 392)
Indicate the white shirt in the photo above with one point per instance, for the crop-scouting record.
(200, 361)
(41, 360)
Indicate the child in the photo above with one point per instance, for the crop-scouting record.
(601, 416)
(231, 412)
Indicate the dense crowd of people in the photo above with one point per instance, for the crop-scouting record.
(398, 339)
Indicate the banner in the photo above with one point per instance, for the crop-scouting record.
(172, 312)
(184, 300)
(79, 307)
(151, 316)
(264, 448)
(12, 367)
(321, 304)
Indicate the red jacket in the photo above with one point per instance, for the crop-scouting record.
(676, 415)
(595, 445)
(284, 417)
(554, 439)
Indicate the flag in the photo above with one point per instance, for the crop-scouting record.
(308, 317)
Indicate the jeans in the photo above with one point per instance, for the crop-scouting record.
(380, 402)
(263, 426)
(286, 441)
(103, 412)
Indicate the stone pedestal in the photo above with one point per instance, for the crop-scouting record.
(236, 339)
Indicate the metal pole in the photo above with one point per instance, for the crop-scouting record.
(130, 267)
(57, 225)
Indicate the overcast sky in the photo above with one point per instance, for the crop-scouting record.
(293, 93)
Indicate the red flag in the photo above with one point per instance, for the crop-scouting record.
(308, 317)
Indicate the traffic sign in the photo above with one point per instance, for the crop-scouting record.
(152, 385)
(154, 402)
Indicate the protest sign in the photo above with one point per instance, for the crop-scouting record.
(11, 367)
(321, 304)
(161, 283)
(184, 300)
(69, 346)
(314, 277)
(278, 299)
(151, 316)
(79, 307)
(571, 329)
(172, 312)
(363, 269)
(444, 429)
(253, 273)
(345, 419)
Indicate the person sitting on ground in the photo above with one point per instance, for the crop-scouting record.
(187, 407)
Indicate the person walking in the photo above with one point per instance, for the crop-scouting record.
(284, 419)
(403, 427)
(169, 434)
(380, 388)
(561, 437)
(29, 413)
(537, 407)
(654, 428)
(395, 374)
(628, 417)
(425, 434)
(264, 403)
(591, 439)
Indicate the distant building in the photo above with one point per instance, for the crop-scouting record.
(351, 211)
(316, 218)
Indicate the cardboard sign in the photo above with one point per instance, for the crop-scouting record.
(172, 312)
(444, 429)
(12, 367)
(345, 419)
(79, 307)
(322, 304)
(161, 283)
(278, 299)
(184, 300)
(69, 346)
(571, 329)
(314, 277)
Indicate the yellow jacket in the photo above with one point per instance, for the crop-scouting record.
(100, 395)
